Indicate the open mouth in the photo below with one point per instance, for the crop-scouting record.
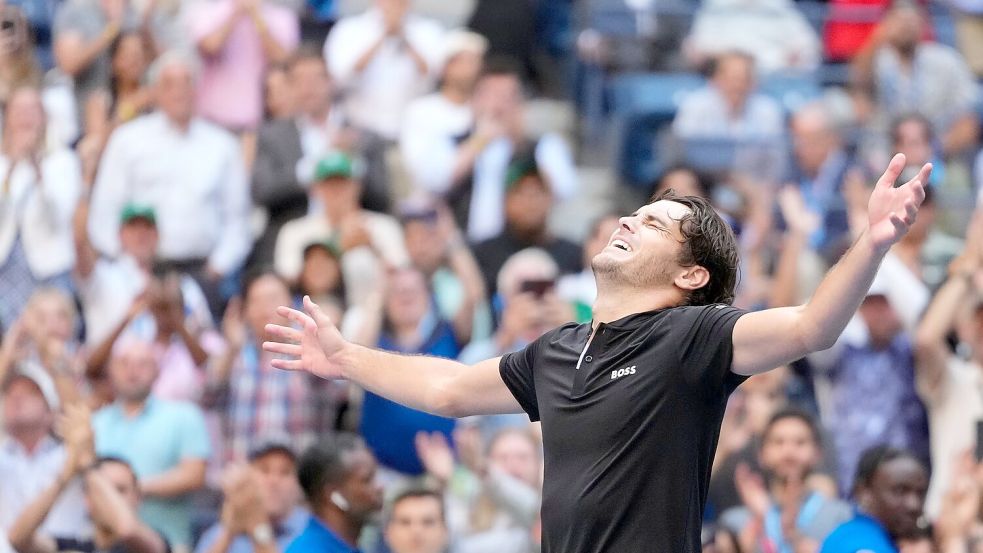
(621, 245)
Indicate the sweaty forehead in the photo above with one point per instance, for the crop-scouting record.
(665, 209)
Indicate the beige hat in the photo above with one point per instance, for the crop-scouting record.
(461, 40)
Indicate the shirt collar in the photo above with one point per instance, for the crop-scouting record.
(13, 447)
(326, 536)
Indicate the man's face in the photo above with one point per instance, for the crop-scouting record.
(516, 455)
(462, 69)
(528, 204)
(417, 526)
(321, 273)
(599, 239)
(734, 79)
(51, 317)
(498, 97)
(133, 370)
(913, 141)
(407, 298)
(263, 297)
(645, 249)
(24, 407)
(311, 84)
(882, 321)
(425, 249)
(789, 450)
(896, 496)
(338, 192)
(120, 476)
(278, 483)
(361, 489)
(904, 27)
(176, 93)
(138, 237)
(393, 10)
(813, 141)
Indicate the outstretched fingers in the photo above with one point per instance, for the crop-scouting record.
(288, 364)
(284, 333)
(314, 310)
(892, 172)
(281, 348)
(298, 317)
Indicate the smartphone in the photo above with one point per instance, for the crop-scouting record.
(979, 441)
(537, 288)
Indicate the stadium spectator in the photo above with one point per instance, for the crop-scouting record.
(38, 193)
(774, 32)
(238, 40)
(889, 491)
(189, 171)
(30, 456)
(474, 190)
(279, 100)
(357, 232)
(529, 199)
(947, 382)
(416, 522)
(338, 477)
(790, 451)
(905, 74)
(130, 56)
(383, 58)
(728, 106)
(254, 401)
(430, 142)
(112, 499)
(18, 65)
(871, 377)
(261, 511)
(165, 442)
(968, 17)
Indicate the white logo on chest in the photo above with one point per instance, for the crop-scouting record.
(622, 372)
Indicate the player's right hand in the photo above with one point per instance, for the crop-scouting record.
(315, 347)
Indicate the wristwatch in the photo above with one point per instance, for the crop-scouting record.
(262, 534)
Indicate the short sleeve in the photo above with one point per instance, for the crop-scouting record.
(516, 369)
(194, 442)
(706, 345)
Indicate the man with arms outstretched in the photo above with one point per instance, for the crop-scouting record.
(630, 404)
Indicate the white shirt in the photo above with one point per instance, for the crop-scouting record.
(486, 217)
(316, 138)
(41, 214)
(194, 180)
(954, 408)
(377, 97)
(26, 475)
(428, 142)
(703, 113)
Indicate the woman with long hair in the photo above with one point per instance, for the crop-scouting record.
(18, 64)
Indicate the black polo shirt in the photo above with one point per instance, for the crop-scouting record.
(629, 437)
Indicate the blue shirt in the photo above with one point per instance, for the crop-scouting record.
(318, 538)
(155, 441)
(861, 533)
(284, 532)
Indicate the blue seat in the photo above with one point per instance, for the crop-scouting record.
(791, 90)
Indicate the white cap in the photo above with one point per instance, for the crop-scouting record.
(32, 371)
(461, 40)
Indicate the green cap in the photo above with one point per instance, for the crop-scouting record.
(520, 168)
(331, 245)
(137, 211)
(335, 164)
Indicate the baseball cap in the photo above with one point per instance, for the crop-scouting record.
(519, 168)
(269, 445)
(330, 245)
(458, 41)
(137, 211)
(33, 372)
(334, 164)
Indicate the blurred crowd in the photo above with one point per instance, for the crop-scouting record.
(174, 170)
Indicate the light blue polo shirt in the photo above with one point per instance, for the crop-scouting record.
(153, 442)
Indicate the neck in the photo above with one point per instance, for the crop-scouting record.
(126, 87)
(532, 236)
(132, 408)
(29, 438)
(456, 93)
(613, 304)
(341, 524)
(789, 491)
(406, 335)
(319, 114)
(337, 213)
(180, 123)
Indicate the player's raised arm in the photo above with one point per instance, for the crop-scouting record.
(439, 386)
(766, 339)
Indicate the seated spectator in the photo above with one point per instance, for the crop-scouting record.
(528, 201)
(480, 165)
(320, 278)
(165, 442)
(889, 490)
(338, 477)
(409, 324)
(130, 55)
(728, 106)
(253, 400)
(774, 32)
(416, 522)
(904, 74)
(260, 511)
(358, 232)
(237, 41)
(437, 249)
(580, 289)
(820, 165)
(790, 451)
(493, 503)
(18, 66)
(947, 382)
(968, 17)
(278, 98)
(383, 58)
(429, 139)
(871, 378)
(189, 171)
(112, 498)
(39, 191)
(684, 180)
(31, 459)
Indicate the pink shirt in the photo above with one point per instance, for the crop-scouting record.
(230, 92)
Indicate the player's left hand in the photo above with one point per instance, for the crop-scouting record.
(891, 211)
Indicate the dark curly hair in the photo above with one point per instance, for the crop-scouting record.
(709, 242)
